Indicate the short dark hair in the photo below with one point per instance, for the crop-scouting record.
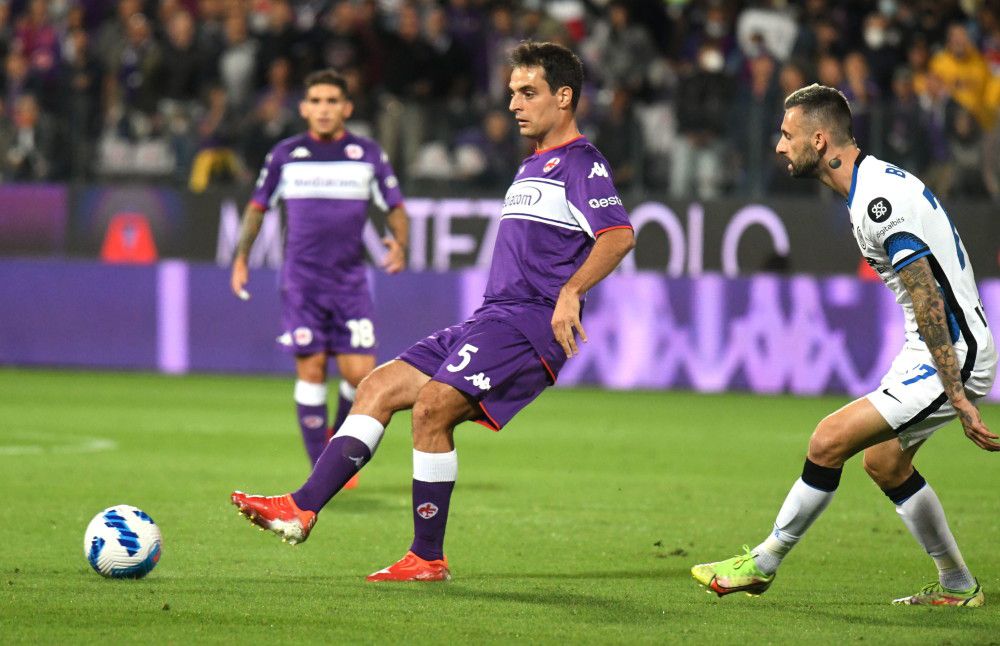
(562, 67)
(826, 106)
(326, 77)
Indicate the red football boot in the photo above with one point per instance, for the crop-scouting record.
(278, 514)
(413, 568)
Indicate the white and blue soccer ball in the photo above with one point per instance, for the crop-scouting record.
(122, 542)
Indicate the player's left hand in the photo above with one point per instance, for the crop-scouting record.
(566, 323)
(975, 429)
(395, 260)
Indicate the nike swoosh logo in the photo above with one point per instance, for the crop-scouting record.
(889, 394)
(358, 461)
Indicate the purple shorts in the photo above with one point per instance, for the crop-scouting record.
(336, 324)
(488, 360)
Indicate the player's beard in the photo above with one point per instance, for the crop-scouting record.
(807, 166)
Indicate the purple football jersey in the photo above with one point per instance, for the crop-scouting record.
(326, 187)
(562, 199)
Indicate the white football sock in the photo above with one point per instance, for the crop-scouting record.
(802, 506)
(923, 515)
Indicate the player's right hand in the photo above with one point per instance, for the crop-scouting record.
(975, 429)
(239, 279)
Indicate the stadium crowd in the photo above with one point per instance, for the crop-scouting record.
(683, 97)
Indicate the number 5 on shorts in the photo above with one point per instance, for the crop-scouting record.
(466, 353)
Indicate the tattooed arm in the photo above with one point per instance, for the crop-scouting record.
(253, 215)
(928, 307)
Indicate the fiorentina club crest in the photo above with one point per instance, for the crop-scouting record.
(549, 165)
(302, 336)
(312, 421)
(354, 151)
(427, 510)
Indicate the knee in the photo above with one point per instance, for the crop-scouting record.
(374, 392)
(887, 474)
(312, 375)
(829, 445)
(427, 416)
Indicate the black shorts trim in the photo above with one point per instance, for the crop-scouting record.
(924, 414)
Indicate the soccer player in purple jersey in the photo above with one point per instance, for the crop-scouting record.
(326, 177)
(563, 229)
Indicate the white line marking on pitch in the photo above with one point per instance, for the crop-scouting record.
(81, 445)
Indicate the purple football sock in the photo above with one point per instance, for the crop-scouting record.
(343, 410)
(312, 423)
(341, 459)
(430, 515)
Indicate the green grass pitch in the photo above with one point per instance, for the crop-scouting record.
(576, 524)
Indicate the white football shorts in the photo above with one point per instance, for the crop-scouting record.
(911, 397)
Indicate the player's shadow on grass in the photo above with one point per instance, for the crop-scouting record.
(905, 616)
(609, 575)
(561, 599)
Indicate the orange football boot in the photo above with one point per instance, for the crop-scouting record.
(278, 514)
(413, 568)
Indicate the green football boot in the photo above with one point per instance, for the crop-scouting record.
(935, 594)
(738, 574)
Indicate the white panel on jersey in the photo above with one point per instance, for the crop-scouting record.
(539, 200)
(335, 180)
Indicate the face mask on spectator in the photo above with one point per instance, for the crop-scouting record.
(711, 60)
(875, 37)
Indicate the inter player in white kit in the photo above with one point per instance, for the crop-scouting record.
(948, 361)
(326, 178)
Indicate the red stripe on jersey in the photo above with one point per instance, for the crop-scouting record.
(617, 226)
(565, 143)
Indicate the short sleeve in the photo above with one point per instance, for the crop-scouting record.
(264, 193)
(592, 196)
(385, 184)
(893, 224)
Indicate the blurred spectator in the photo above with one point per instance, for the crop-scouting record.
(338, 45)
(486, 155)
(19, 79)
(863, 93)
(184, 64)
(238, 61)
(111, 35)
(905, 141)
(939, 113)
(84, 78)
(407, 89)
(702, 105)
(966, 151)
(501, 38)
(451, 77)
(618, 51)
(31, 154)
(882, 50)
(755, 117)
(279, 39)
(134, 78)
(216, 161)
(270, 122)
(964, 72)
(619, 138)
(35, 36)
(766, 29)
